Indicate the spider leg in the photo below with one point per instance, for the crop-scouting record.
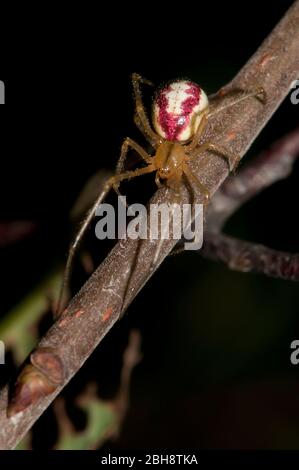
(176, 200)
(112, 182)
(127, 143)
(231, 158)
(175, 185)
(144, 131)
(207, 113)
(247, 94)
(196, 183)
(194, 142)
(158, 181)
(140, 110)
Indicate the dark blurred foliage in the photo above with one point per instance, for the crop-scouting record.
(216, 370)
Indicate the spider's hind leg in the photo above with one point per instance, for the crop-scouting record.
(231, 158)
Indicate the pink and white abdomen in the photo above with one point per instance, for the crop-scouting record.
(177, 110)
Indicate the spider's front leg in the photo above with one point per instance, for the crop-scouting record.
(112, 182)
(153, 141)
(130, 143)
(141, 119)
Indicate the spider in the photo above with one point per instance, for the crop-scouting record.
(179, 115)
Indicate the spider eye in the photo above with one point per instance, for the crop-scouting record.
(177, 110)
(164, 171)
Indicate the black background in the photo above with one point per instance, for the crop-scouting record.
(68, 107)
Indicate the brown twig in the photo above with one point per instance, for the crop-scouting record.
(244, 256)
(132, 356)
(109, 291)
(271, 166)
(69, 437)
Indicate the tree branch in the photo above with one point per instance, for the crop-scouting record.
(244, 256)
(270, 166)
(109, 291)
